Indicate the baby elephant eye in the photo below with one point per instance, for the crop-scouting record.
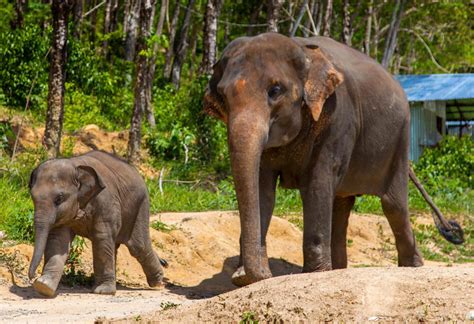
(275, 91)
(59, 199)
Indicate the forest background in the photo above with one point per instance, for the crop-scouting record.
(142, 66)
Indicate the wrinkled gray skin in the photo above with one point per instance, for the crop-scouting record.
(324, 119)
(97, 196)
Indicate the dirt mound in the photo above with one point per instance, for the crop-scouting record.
(353, 295)
(202, 250)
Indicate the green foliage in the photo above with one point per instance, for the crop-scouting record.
(162, 227)
(248, 317)
(23, 61)
(73, 275)
(6, 137)
(168, 305)
(452, 160)
(434, 247)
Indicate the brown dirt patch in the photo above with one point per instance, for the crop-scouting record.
(202, 250)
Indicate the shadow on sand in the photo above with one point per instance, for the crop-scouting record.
(222, 281)
(217, 284)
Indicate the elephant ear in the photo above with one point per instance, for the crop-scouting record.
(213, 102)
(321, 81)
(90, 184)
(33, 176)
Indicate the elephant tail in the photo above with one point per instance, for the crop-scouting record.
(163, 262)
(450, 230)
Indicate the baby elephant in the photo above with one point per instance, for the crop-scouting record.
(97, 196)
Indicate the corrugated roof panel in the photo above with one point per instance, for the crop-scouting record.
(438, 86)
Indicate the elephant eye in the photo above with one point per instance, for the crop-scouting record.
(275, 91)
(59, 199)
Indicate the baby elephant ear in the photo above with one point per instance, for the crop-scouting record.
(90, 184)
(321, 82)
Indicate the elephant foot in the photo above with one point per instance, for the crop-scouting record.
(155, 281)
(414, 261)
(44, 286)
(106, 288)
(240, 278)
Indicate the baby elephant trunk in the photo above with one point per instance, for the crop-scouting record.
(41, 237)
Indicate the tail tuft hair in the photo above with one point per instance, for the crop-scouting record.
(454, 235)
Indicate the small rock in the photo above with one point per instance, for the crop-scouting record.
(372, 318)
(470, 315)
(2, 235)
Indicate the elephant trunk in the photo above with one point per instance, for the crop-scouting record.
(247, 135)
(41, 238)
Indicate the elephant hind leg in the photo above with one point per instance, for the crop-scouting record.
(340, 219)
(395, 207)
(140, 247)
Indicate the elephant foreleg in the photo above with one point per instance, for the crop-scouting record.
(267, 188)
(55, 256)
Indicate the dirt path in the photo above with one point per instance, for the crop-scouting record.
(202, 249)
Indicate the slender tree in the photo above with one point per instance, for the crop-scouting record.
(298, 18)
(147, 9)
(273, 14)
(368, 27)
(107, 22)
(132, 29)
(328, 18)
(253, 18)
(57, 74)
(391, 40)
(20, 9)
(182, 46)
(172, 39)
(77, 18)
(213, 9)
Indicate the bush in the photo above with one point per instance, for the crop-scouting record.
(23, 61)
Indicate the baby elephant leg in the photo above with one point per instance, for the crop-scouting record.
(140, 247)
(55, 256)
(103, 250)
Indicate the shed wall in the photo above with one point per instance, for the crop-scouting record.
(423, 126)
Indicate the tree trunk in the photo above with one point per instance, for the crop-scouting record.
(346, 26)
(253, 19)
(172, 39)
(20, 9)
(77, 20)
(152, 65)
(192, 51)
(391, 41)
(106, 29)
(319, 20)
(182, 47)
(141, 81)
(114, 16)
(298, 19)
(327, 19)
(213, 9)
(368, 27)
(54, 116)
(132, 30)
(273, 14)
(93, 21)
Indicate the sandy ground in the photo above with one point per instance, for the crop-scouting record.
(202, 250)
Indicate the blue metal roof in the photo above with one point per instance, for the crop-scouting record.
(437, 86)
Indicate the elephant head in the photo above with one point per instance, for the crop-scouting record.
(259, 88)
(59, 189)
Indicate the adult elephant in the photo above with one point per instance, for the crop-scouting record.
(325, 119)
